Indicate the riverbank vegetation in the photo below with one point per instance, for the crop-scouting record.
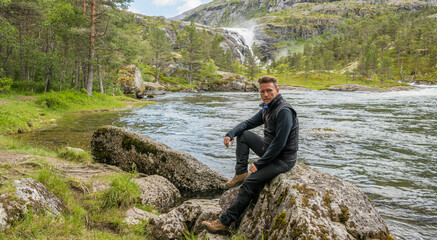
(22, 113)
(66, 45)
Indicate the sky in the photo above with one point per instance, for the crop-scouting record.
(166, 8)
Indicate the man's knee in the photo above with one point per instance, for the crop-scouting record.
(243, 136)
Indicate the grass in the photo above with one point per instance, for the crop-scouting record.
(23, 113)
(323, 80)
(84, 217)
(74, 155)
(13, 145)
(122, 193)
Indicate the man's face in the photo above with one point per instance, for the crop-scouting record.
(268, 92)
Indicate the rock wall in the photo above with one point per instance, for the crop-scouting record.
(124, 148)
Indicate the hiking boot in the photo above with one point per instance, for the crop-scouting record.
(237, 179)
(215, 227)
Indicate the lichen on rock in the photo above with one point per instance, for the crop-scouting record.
(308, 204)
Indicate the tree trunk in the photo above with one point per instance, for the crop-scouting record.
(99, 69)
(20, 26)
(89, 87)
(78, 76)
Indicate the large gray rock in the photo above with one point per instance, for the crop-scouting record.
(36, 195)
(158, 192)
(135, 215)
(124, 148)
(229, 82)
(308, 204)
(130, 80)
(188, 217)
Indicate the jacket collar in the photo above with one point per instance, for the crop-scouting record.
(273, 103)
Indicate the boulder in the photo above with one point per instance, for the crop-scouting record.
(158, 192)
(354, 88)
(151, 89)
(308, 204)
(229, 82)
(11, 210)
(135, 215)
(130, 80)
(124, 148)
(188, 217)
(36, 195)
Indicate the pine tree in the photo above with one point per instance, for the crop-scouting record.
(191, 51)
(160, 47)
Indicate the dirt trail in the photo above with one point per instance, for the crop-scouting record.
(69, 169)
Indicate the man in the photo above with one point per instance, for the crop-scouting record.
(277, 150)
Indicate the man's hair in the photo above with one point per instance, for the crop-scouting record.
(267, 79)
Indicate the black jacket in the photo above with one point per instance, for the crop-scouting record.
(281, 131)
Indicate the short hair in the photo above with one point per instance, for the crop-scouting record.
(267, 79)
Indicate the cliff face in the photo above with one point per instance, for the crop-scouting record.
(278, 21)
(231, 42)
(230, 12)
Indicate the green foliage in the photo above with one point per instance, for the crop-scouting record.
(22, 113)
(209, 70)
(5, 84)
(122, 193)
(62, 101)
(386, 44)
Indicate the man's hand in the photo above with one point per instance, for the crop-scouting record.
(253, 168)
(227, 140)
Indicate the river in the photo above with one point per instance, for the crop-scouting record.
(385, 143)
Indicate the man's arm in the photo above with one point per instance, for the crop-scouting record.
(283, 127)
(250, 123)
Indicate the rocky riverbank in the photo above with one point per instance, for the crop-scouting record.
(303, 203)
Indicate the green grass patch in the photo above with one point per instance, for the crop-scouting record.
(74, 155)
(13, 145)
(23, 113)
(323, 80)
(123, 192)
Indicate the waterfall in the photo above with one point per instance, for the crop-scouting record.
(247, 34)
(244, 37)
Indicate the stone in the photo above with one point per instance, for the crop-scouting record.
(3, 218)
(36, 195)
(188, 217)
(151, 89)
(229, 82)
(135, 215)
(11, 210)
(210, 236)
(76, 150)
(158, 192)
(307, 204)
(121, 147)
(354, 88)
(130, 80)
(99, 186)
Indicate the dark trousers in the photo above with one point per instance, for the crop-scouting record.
(253, 184)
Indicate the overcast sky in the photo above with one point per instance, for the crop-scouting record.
(166, 8)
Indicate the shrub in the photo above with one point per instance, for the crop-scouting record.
(5, 84)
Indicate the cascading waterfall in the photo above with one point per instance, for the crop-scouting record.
(243, 36)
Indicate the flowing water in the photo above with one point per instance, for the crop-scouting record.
(385, 143)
